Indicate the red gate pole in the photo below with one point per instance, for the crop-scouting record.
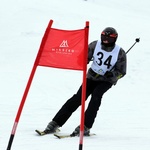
(28, 87)
(84, 87)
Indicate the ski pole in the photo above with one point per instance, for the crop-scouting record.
(136, 41)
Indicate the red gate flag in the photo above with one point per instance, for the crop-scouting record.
(63, 49)
(60, 49)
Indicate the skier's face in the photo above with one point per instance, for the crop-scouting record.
(107, 38)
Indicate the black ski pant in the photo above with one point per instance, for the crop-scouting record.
(94, 88)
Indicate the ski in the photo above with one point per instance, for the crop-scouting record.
(41, 133)
(61, 136)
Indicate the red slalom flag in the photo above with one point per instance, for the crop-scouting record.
(64, 49)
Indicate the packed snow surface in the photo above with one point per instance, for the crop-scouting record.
(123, 121)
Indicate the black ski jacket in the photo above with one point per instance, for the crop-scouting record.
(118, 71)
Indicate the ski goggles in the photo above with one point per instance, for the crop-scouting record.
(108, 34)
(110, 38)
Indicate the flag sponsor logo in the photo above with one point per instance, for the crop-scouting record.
(63, 48)
(64, 44)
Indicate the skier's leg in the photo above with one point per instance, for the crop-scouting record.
(95, 103)
(72, 104)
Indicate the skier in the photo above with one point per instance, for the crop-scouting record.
(109, 65)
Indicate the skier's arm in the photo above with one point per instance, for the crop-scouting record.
(91, 48)
(120, 67)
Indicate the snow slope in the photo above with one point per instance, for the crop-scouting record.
(123, 122)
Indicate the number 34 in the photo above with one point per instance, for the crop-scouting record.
(106, 62)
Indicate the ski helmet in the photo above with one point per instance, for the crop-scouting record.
(109, 35)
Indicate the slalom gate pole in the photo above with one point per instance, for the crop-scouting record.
(20, 108)
(28, 87)
(84, 88)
